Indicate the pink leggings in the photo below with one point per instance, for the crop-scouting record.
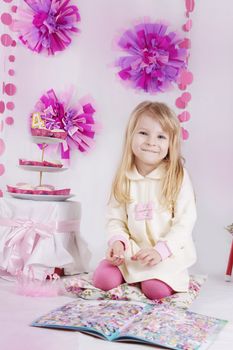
(108, 276)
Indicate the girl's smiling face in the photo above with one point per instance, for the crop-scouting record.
(150, 144)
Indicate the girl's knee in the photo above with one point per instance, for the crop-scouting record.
(107, 276)
(156, 289)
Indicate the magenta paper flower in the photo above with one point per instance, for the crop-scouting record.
(153, 57)
(76, 120)
(46, 25)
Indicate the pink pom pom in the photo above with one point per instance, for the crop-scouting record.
(48, 25)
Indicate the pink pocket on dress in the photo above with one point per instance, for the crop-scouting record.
(144, 211)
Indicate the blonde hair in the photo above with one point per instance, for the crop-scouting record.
(173, 161)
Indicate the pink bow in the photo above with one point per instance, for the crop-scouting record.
(22, 240)
(24, 236)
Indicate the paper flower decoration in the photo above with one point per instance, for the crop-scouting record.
(154, 57)
(75, 121)
(46, 26)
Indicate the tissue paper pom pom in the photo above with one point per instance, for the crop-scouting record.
(76, 120)
(154, 58)
(46, 25)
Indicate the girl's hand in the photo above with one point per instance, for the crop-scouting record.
(147, 256)
(115, 253)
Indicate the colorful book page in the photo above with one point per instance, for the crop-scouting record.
(171, 328)
(105, 317)
(174, 328)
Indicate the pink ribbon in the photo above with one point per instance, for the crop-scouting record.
(23, 238)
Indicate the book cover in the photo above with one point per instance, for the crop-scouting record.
(159, 325)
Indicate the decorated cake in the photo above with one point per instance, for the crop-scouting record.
(26, 188)
(44, 163)
(45, 126)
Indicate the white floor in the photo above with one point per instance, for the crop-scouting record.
(17, 312)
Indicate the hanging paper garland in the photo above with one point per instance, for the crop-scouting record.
(154, 57)
(186, 77)
(46, 26)
(74, 124)
(8, 87)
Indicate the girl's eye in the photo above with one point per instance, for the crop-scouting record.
(162, 137)
(143, 133)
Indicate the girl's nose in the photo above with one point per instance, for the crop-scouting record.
(151, 142)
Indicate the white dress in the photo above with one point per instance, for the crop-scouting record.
(36, 237)
(144, 222)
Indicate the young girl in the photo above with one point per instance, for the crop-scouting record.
(152, 209)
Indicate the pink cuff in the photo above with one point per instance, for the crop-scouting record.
(163, 250)
(119, 238)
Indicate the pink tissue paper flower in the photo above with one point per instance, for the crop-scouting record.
(46, 25)
(75, 119)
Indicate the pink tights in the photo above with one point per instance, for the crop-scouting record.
(108, 276)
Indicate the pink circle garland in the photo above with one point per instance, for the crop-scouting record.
(14, 9)
(11, 58)
(9, 121)
(8, 88)
(10, 106)
(186, 77)
(6, 18)
(2, 147)
(2, 107)
(11, 72)
(2, 169)
(6, 40)
(184, 116)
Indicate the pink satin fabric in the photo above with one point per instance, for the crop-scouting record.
(24, 235)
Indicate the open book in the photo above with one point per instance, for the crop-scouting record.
(159, 325)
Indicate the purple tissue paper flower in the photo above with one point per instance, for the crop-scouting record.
(153, 57)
